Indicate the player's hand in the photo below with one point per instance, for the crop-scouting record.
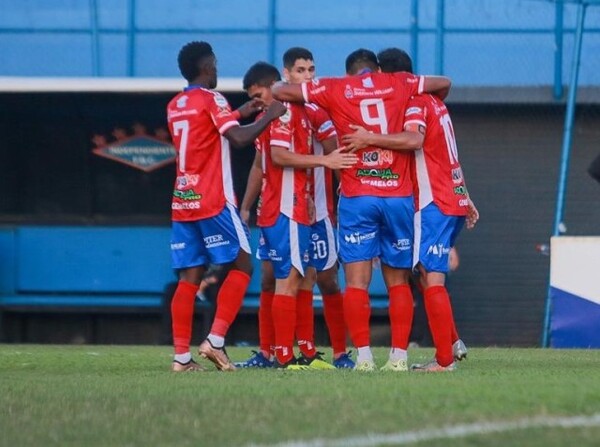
(251, 107)
(472, 215)
(276, 109)
(357, 140)
(339, 159)
(245, 215)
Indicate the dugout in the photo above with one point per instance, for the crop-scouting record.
(509, 144)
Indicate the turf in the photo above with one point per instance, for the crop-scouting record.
(126, 396)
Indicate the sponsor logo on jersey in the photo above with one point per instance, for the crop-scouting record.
(438, 250)
(185, 206)
(348, 92)
(460, 190)
(325, 126)
(215, 240)
(413, 111)
(384, 174)
(377, 158)
(358, 238)
(457, 176)
(402, 244)
(286, 117)
(186, 181)
(182, 101)
(220, 100)
(368, 82)
(463, 202)
(188, 194)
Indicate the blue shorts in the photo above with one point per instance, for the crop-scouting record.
(215, 240)
(324, 250)
(285, 244)
(376, 226)
(435, 234)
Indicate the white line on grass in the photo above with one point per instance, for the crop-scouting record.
(449, 432)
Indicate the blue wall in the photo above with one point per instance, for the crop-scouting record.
(486, 42)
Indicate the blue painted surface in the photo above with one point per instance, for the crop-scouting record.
(486, 42)
(575, 321)
(8, 261)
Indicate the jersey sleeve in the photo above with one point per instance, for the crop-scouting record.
(410, 84)
(220, 112)
(281, 130)
(320, 122)
(416, 112)
(318, 91)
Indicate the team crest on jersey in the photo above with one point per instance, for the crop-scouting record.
(182, 102)
(348, 93)
(138, 150)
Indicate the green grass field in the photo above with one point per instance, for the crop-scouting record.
(126, 396)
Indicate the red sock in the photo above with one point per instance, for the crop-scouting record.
(333, 308)
(266, 331)
(401, 315)
(229, 300)
(182, 312)
(439, 314)
(455, 336)
(284, 321)
(305, 323)
(357, 313)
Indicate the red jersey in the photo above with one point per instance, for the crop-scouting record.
(197, 120)
(285, 190)
(437, 175)
(375, 101)
(322, 177)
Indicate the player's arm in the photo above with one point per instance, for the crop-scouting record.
(409, 140)
(287, 92)
(337, 159)
(249, 108)
(436, 85)
(253, 188)
(240, 136)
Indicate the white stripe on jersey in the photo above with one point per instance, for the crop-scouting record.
(286, 202)
(417, 239)
(320, 186)
(239, 228)
(226, 172)
(331, 247)
(425, 193)
(295, 254)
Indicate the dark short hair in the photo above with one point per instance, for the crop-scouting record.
(189, 57)
(392, 60)
(262, 74)
(293, 54)
(361, 58)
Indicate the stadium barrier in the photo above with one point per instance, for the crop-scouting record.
(575, 292)
(106, 270)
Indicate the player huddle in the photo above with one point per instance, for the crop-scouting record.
(402, 200)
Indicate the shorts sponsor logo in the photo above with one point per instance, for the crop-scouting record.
(402, 244)
(438, 250)
(377, 158)
(178, 246)
(185, 206)
(215, 240)
(273, 256)
(358, 238)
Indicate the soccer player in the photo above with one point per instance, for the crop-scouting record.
(285, 213)
(376, 206)
(442, 204)
(299, 67)
(206, 224)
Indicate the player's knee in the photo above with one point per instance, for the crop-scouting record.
(328, 284)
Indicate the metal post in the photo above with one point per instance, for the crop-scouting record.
(272, 30)
(96, 67)
(131, 39)
(414, 34)
(558, 49)
(439, 39)
(566, 150)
